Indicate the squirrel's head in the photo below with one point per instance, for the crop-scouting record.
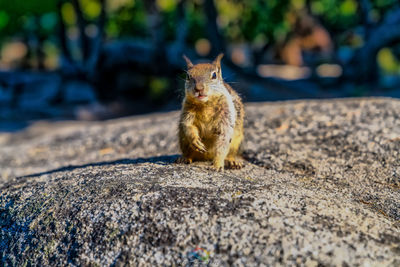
(203, 80)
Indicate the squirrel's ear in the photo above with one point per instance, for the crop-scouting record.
(217, 60)
(188, 62)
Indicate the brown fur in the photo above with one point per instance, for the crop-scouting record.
(206, 129)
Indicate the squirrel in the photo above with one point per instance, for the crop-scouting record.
(211, 120)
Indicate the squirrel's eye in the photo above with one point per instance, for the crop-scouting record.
(214, 76)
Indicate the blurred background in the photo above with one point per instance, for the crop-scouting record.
(100, 59)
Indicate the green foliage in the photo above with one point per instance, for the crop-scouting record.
(248, 20)
(252, 21)
(127, 20)
(239, 20)
(197, 22)
(158, 86)
(337, 15)
(91, 9)
(16, 16)
(388, 61)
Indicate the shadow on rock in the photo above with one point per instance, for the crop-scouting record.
(162, 160)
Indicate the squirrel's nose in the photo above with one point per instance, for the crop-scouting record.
(199, 87)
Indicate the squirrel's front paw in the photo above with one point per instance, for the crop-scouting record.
(217, 166)
(218, 169)
(198, 146)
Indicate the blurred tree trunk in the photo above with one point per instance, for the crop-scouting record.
(216, 39)
(40, 55)
(97, 41)
(62, 33)
(82, 23)
(365, 9)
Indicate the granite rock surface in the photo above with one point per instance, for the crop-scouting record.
(321, 187)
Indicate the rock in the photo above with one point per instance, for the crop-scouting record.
(321, 186)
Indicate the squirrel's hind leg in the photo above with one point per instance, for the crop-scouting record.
(233, 163)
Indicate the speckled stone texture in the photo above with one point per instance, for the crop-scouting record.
(321, 186)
